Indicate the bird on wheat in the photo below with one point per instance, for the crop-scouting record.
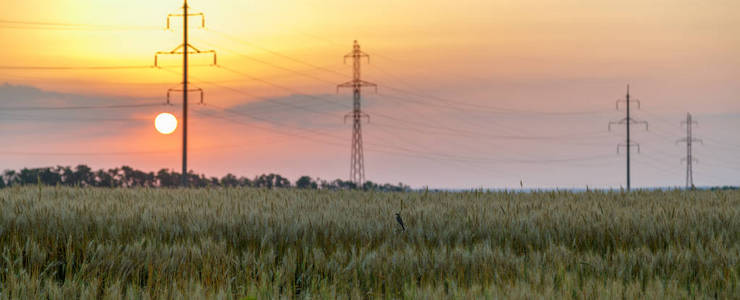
(400, 221)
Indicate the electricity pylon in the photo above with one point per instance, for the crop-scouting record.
(357, 161)
(689, 140)
(628, 121)
(185, 48)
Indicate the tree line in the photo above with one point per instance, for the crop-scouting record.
(125, 176)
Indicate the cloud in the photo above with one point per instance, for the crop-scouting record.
(28, 110)
(24, 95)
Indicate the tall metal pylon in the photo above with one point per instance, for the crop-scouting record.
(357, 160)
(185, 48)
(628, 121)
(689, 140)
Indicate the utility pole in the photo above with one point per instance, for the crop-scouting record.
(689, 140)
(628, 121)
(357, 160)
(185, 48)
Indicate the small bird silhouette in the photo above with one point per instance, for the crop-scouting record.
(400, 221)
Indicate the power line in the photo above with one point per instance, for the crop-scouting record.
(276, 53)
(423, 126)
(406, 150)
(458, 104)
(472, 135)
(36, 119)
(115, 153)
(422, 129)
(474, 166)
(323, 80)
(445, 103)
(75, 67)
(78, 107)
(41, 25)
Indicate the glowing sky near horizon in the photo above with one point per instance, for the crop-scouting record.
(528, 57)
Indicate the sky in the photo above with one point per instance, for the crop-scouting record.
(472, 94)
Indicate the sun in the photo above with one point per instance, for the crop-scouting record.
(165, 123)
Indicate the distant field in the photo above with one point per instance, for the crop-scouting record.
(66, 243)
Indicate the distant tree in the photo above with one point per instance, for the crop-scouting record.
(83, 175)
(28, 176)
(339, 184)
(103, 179)
(115, 175)
(369, 185)
(271, 181)
(125, 176)
(230, 180)
(306, 182)
(281, 182)
(165, 178)
(245, 182)
(49, 176)
(265, 181)
(10, 177)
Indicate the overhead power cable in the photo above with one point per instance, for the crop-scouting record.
(78, 107)
(385, 96)
(116, 153)
(396, 149)
(422, 126)
(74, 67)
(445, 102)
(42, 25)
(276, 53)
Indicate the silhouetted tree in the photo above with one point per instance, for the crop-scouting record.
(165, 178)
(305, 182)
(245, 182)
(230, 180)
(103, 179)
(10, 177)
(82, 175)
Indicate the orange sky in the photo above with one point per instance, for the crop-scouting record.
(534, 57)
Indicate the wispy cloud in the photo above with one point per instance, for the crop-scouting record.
(28, 110)
(298, 110)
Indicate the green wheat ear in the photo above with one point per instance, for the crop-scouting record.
(249, 298)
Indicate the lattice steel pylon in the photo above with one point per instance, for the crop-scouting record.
(628, 121)
(184, 49)
(689, 140)
(357, 160)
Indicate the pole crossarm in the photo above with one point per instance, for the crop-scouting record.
(352, 115)
(201, 15)
(631, 121)
(686, 140)
(630, 145)
(357, 54)
(686, 159)
(190, 90)
(625, 102)
(358, 84)
(181, 49)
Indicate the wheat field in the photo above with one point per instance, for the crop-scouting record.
(66, 243)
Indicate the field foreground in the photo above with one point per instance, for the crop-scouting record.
(65, 243)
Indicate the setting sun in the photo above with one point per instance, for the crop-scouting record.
(165, 123)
